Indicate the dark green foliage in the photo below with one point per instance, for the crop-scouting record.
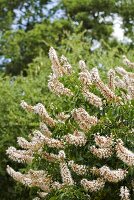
(14, 122)
(26, 13)
(17, 45)
(93, 14)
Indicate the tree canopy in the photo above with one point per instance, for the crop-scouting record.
(39, 24)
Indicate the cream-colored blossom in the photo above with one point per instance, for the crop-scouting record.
(61, 155)
(121, 71)
(78, 169)
(57, 186)
(84, 75)
(44, 129)
(19, 176)
(41, 111)
(84, 120)
(82, 66)
(57, 69)
(51, 142)
(57, 87)
(38, 140)
(124, 154)
(124, 193)
(127, 62)
(119, 83)
(64, 170)
(112, 175)
(92, 98)
(25, 106)
(65, 174)
(85, 78)
(94, 185)
(77, 139)
(50, 157)
(128, 80)
(66, 65)
(32, 178)
(62, 117)
(101, 152)
(103, 141)
(104, 89)
(111, 79)
(35, 145)
(131, 91)
(21, 156)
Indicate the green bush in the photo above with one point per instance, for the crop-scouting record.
(115, 116)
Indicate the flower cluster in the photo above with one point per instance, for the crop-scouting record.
(105, 90)
(103, 141)
(85, 78)
(112, 175)
(32, 178)
(119, 83)
(78, 169)
(92, 98)
(124, 154)
(65, 173)
(41, 111)
(66, 65)
(127, 81)
(50, 156)
(82, 66)
(84, 120)
(33, 145)
(38, 140)
(57, 87)
(104, 149)
(57, 69)
(62, 117)
(77, 139)
(21, 156)
(111, 79)
(124, 193)
(127, 62)
(94, 185)
(44, 130)
(84, 75)
(101, 152)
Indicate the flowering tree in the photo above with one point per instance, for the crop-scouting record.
(81, 152)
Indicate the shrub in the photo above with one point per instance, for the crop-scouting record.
(84, 147)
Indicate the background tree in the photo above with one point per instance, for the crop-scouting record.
(98, 16)
(24, 14)
(36, 24)
(16, 45)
